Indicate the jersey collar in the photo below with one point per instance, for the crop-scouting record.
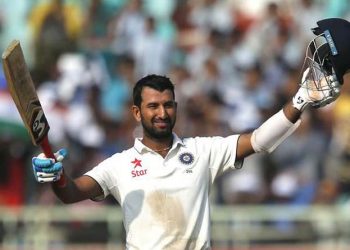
(141, 148)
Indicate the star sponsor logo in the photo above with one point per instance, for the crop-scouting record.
(137, 163)
(136, 172)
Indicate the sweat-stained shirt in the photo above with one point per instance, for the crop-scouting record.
(165, 201)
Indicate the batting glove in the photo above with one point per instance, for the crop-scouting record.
(327, 91)
(47, 169)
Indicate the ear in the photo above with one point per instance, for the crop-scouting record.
(136, 112)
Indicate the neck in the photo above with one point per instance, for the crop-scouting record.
(162, 149)
(158, 145)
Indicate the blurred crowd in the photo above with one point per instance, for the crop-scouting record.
(234, 64)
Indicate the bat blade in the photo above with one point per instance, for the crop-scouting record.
(22, 90)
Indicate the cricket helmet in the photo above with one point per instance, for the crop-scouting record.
(327, 60)
(331, 48)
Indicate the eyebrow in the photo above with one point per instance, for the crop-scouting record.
(157, 103)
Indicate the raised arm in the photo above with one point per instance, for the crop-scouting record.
(76, 190)
(270, 134)
(278, 127)
(68, 190)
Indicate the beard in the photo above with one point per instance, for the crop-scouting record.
(158, 133)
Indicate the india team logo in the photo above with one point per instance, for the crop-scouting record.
(186, 158)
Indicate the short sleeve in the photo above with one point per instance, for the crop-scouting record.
(102, 177)
(222, 153)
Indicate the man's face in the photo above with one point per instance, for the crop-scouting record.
(157, 113)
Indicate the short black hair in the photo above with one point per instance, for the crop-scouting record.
(153, 81)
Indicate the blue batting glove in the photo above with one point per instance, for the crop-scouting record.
(47, 169)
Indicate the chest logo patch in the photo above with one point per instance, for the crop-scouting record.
(138, 172)
(186, 158)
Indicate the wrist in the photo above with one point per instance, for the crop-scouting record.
(292, 113)
(62, 181)
(299, 101)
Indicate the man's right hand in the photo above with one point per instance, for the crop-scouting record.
(47, 169)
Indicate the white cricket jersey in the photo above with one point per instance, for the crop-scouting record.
(165, 201)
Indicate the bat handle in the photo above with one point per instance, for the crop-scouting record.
(46, 147)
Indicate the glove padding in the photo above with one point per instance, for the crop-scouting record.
(309, 95)
(47, 169)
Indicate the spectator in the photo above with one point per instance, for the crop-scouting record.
(56, 27)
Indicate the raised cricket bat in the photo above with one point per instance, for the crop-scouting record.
(22, 90)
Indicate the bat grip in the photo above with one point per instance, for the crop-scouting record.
(46, 147)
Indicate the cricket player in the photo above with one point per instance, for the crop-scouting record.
(163, 182)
